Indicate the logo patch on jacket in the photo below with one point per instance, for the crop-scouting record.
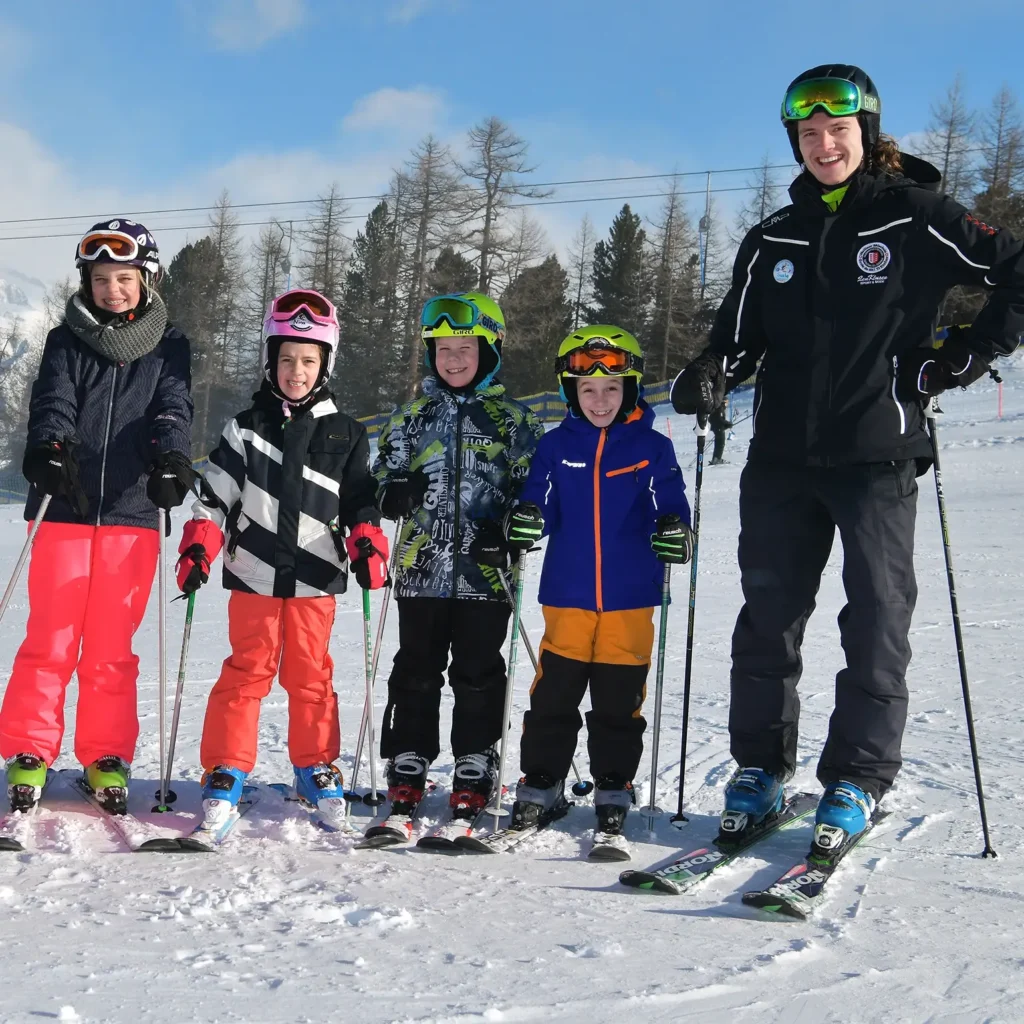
(783, 271)
(873, 258)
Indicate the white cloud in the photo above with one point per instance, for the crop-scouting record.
(415, 110)
(249, 24)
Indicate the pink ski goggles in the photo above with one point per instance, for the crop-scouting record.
(302, 313)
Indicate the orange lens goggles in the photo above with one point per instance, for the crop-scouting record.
(119, 246)
(582, 362)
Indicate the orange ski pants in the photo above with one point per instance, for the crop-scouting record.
(270, 636)
(87, 590)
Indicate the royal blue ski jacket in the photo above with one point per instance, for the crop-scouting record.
(601, 492)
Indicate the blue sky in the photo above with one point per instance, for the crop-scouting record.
(122, 105)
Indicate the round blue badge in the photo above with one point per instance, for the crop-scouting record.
(783, 271)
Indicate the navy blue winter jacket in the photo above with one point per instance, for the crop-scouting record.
(122, 415)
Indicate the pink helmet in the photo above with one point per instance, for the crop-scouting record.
(301, 315)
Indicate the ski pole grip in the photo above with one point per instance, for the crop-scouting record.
(701, 426)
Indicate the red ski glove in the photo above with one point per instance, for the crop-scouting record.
(201, 541)
(368, 552)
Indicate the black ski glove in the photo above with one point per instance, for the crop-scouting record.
(673, 543)
(489, 547)
(925, 372)
(700, 388)
(171, 477)
(44, 467)
(524, 526)
(402, 493)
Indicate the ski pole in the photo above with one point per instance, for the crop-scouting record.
(164, 795)
(26, 548)
(701, 429)
(352, 796)
(947, 551)
(373, 798)
(517, 603)
(579, 787)
(161, 518)
(659, 686)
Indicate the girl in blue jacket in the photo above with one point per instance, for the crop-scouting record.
(612, 499)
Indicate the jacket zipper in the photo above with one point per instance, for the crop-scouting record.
(896, 401)
(106, 439)
(598, 594)
(458, 498)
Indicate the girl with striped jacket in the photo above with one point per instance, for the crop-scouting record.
(289, 475)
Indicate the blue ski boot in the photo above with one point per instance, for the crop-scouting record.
(321, 788)
(844, 811)
(751, 795)
(222, 789)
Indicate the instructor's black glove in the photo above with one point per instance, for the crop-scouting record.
(489, 547)
(673, 543)
(402, 493)
(171, 477)
(700, 388)
(925, 372)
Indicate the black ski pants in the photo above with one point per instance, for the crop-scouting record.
(788, 519)
(428, 629)
(610, 652)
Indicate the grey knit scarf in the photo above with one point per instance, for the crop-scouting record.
(121, 341)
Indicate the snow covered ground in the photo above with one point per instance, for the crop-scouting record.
(289, 925)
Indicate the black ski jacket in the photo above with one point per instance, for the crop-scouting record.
(828, 302)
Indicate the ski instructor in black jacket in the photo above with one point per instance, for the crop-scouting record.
(837, 296)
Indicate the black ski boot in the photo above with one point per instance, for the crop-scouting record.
(538, 797)
(407, 781)
(613, 798)
(473, 783)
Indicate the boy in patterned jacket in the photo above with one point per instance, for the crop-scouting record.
(288, 476)
(449, 466)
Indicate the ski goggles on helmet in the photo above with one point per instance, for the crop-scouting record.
(459, 313)
(598, 356)
(318, 308)
(118, 246)
(835, 96)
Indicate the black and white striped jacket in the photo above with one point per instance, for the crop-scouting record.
(279, 483)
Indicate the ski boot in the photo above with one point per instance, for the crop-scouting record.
(612, 799)
(407, 781)
(844, 811)
(473, 783)
(222, 789)
(752, 796)
(538, 797)
(322, 788)
(26, 776)
(107, 779)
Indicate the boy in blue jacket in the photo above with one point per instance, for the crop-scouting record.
(611, 496)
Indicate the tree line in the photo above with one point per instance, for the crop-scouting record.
(452, 223)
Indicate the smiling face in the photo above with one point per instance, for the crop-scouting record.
(298, 368)
(600, 399)
(457, 360)
(115, 288)
(832, 147)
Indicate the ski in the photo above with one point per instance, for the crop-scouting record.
(693, 867)
(609, 846)
(506, 839)
(127, 826)
(799, 891)
(329, 825)
(467, 811)
(12, 821)
(204, 838)
(397, 827)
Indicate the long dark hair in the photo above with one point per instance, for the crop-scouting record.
(885, 156)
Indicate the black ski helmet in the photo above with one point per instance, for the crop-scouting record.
(870, 122)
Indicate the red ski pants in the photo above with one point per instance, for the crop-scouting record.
(269, 635)
(87, 589)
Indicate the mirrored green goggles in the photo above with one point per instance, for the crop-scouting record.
(835, 96)
(460, 313)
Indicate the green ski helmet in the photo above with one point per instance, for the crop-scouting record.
(466, 314)
(603, 350)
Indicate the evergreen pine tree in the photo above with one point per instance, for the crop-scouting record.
(622, 278)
